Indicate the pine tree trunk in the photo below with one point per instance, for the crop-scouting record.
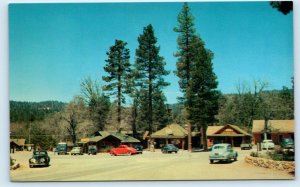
(204, 138)
(134, 115)
(150, 107)
(119, 103)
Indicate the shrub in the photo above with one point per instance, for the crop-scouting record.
(254, 154)
(12, 161)
(288, 155)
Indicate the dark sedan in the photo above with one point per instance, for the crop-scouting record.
(39, 158)
(169, 148)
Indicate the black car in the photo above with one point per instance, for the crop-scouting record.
(139, 149)
(169, 148)
(39, 158)
(92, 150)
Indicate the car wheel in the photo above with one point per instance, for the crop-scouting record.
(30, 165)
(129, 153)
(176, 152)
(235, 158)
(211, 161)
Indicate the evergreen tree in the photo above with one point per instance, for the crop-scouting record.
(203, 85)
(118, 68)
(150, 67)
(184, 54)
(197, 79)
(161, 115)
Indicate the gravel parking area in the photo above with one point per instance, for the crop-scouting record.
(146, 166)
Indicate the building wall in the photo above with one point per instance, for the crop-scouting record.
(276, 137)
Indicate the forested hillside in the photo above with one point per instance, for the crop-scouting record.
(31, 111)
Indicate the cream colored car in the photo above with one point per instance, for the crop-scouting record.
(267, 144)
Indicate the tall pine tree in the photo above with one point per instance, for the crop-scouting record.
(118, 68)
(197, 79)
(150, 67)
(203, 89)
(186, 31)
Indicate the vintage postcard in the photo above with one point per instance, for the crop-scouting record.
(147, 91)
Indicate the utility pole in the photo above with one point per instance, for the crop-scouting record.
(29, 131)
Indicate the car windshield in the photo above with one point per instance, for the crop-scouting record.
(288, 141)
(39, 153)
(170, 145)
(219, 147)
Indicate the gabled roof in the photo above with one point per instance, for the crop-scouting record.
(19, 142)
(213, 129)
(170, 131)
(218, 131)
(286, 126)
(100, 135)
(125, 138)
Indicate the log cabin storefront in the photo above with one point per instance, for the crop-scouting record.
(173, 134)
(105, 140)
(231, 134)
(275, 130)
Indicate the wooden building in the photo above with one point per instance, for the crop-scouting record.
(17, 144)
(105, 140)
(274, 129)
(171, 134)
(231, 134)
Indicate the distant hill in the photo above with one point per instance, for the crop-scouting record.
(21, 111)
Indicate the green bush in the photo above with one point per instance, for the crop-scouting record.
(276, 156)
(288, 155)
(12, 161)
(254, 154)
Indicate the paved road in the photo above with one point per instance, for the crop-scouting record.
(147, 166)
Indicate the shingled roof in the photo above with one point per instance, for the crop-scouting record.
(19, 142)
(100, 135)
(217, 131)
(171, 131)
(285, 126)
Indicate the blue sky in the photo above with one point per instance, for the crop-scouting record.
(53, 47)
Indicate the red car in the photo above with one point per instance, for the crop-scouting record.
(122, 150)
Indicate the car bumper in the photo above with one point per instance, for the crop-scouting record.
(218, 157)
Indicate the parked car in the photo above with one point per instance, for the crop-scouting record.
(92, 150)
(76, 151)
(122, 150)
(139, 149)
(169, 148)
(62, 148)
(39, 158)
(222, 152)
(287, 143)
(246, 146)
(267, 144)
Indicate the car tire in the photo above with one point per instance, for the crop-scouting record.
(31, 166)
(176, 152)
(129, 153)
(211, 161)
